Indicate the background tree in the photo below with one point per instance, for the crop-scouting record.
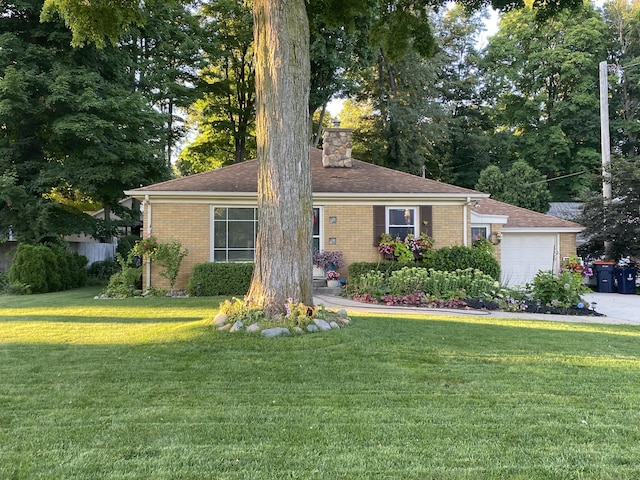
(466, 149)
(71, 121)
(542, 76)
(623, 20)
(167, 53)
(619, 220)
(225, 113)
(521, 185)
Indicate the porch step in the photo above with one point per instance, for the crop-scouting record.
(327, 290)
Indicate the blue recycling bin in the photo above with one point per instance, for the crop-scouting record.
(626, 278)
(605, 277)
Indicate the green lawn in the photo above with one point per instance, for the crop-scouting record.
(144, 388)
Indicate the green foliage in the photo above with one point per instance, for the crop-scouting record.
(372, 283)
(459, 257)
(238, 311)
(169, 257)
(618, 220)
(41, 269)
(29, 268)
(126, 244)
(125, 282)
(74, 125)
(557, 290)
(218, 278)
(541, 75)
(435, 284)
(356, 269)
(103, 269)
(522, 186)
(408, 280)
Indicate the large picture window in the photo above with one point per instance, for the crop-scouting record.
(402, 221)
(234, 234)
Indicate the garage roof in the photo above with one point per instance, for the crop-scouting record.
(521, 218)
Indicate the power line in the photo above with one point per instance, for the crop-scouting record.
(557, 178)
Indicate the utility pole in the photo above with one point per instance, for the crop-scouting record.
(605, 144)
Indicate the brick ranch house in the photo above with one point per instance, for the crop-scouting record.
(213, 214)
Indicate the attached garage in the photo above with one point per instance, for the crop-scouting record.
(524, 254)
(526, 241)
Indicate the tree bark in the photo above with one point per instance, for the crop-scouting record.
(283, 267)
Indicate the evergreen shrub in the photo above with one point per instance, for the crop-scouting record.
(41, 269)
(218, 278)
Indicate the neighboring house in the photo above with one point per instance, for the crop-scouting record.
(95, 250)
(213, 214)
(568, 211)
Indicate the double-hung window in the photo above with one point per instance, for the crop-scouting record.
(234, 234)
(402, 221)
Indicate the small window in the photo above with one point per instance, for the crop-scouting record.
(479, 233)
(402, 221)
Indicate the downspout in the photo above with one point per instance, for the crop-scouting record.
(556, 255)
(147, 207)
(465, 222)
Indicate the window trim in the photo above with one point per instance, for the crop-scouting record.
(212, 247)
(416, 218)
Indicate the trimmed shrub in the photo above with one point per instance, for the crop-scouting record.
(52, 265)
(44, 269)
(28, 268)
(450, 259)
(218, 278)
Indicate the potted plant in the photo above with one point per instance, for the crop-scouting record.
(407, 250)
(328, 260)
(387, 246)
(333, 279)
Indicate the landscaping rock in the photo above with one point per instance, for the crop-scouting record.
(220, 319)
(312, 328)
(321, 324)
(236, 326)
(225, 327)
(276, 332)
(254, 327)
(298, 330)
(334, 325)
(342, 312)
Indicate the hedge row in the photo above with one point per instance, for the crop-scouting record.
(217, 278)
(41, 269)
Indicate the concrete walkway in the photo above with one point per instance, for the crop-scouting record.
(618, 309)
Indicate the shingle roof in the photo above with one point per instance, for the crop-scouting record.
(362, 177)
(521, 217)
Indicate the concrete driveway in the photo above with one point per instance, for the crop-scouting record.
(618, 309)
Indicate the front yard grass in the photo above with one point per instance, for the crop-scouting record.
(145, 388)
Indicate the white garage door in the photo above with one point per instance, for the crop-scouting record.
(524, 254)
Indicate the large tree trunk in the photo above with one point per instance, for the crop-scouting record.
(283, 266)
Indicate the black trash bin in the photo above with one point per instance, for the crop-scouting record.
(626, 277)
(604, 277)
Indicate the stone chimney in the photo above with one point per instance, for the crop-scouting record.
(336, 147)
